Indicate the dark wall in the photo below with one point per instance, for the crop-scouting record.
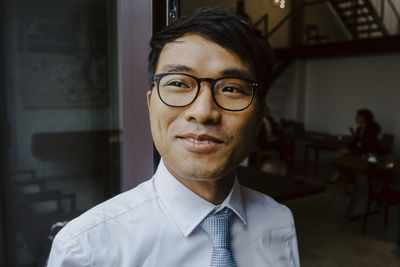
(2, 142)
(137, 150)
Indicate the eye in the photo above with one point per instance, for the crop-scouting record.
(230, 89)
(177, 84)
(233, 87)
(234, 90)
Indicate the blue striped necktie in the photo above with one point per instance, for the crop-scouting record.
(217, 228)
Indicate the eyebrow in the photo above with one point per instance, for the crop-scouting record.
(177, 68)
(236, 72)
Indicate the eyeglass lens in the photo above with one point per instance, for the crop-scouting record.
(230, 93)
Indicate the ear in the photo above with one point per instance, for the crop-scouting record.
(148, 96)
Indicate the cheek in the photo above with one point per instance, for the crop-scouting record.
(161, 121)
(156, 120)
(158, 127)
(244, 133)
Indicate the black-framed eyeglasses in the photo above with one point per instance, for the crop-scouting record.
(229, 93)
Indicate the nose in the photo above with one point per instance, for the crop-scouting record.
(204, 110)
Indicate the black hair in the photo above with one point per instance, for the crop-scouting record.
(366, 114)
(225, 29)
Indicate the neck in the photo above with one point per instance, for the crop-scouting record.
(214, 191)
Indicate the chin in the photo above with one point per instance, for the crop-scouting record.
(201, 167)
(205, 172)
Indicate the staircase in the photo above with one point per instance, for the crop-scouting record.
(364, 20)
(279, 97)
(360, 18)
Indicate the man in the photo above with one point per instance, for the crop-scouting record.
(209, 73)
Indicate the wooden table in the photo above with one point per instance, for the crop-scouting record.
(304, 136)
(329, 143)
(359, 165)
(278, 187)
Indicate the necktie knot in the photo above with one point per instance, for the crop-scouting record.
(217, 228)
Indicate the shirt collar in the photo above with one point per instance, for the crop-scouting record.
(188, 209)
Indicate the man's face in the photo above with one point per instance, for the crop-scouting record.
(201, 141)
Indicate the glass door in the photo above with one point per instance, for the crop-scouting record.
(60, 122)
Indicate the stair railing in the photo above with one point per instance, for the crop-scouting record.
(396, 13)
(383, 7)
(382, 11)
(265, 20)
(291, 13)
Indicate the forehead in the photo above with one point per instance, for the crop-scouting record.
(197, 55)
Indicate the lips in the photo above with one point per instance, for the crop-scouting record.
(201, 138)
(200, 143)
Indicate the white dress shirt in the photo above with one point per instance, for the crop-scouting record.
(157, 224)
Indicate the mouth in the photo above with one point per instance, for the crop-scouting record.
(200, 143)
(204, 142)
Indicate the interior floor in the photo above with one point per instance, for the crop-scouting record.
(328, 239)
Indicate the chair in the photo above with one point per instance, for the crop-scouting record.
(275, 166)
(384, 189)
(98, 149)
(33, 209)
(313, 36)
(386, 143)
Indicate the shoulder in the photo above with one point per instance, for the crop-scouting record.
(103, 233)
(260, 205)
(270, 232)
(111, 211)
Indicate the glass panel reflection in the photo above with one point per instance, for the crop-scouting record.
(62, 105)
